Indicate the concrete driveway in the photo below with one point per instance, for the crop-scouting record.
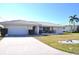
(26, 46)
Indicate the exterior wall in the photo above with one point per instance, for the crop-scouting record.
(29, 27)
(19, 26)
(51, 28)
(68, 28)
(58, 29)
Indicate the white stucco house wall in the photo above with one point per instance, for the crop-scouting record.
(68, 28)
(59, 29)
(21, 27)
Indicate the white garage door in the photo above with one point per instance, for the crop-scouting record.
(17, 31)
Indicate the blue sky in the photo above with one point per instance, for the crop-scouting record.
(45, 12)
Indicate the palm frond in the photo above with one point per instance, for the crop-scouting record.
(70, 16)
(71, 20)
(74, 16)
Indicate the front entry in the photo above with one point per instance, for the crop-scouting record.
(32, 31)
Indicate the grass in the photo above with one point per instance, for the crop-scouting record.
(52, 41)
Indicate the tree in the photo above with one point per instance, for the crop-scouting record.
(72, 21)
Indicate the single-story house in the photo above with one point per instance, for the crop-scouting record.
(21, 27)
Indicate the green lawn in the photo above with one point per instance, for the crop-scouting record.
(52, 41)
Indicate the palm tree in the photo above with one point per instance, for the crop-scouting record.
(72, 21)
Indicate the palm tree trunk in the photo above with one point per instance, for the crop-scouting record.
(71, 29)
(74, 27)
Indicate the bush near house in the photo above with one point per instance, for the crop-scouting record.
(4, 31)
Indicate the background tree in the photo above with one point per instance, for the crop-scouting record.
(72, 21)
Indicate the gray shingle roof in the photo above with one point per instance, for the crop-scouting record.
(23, 22)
